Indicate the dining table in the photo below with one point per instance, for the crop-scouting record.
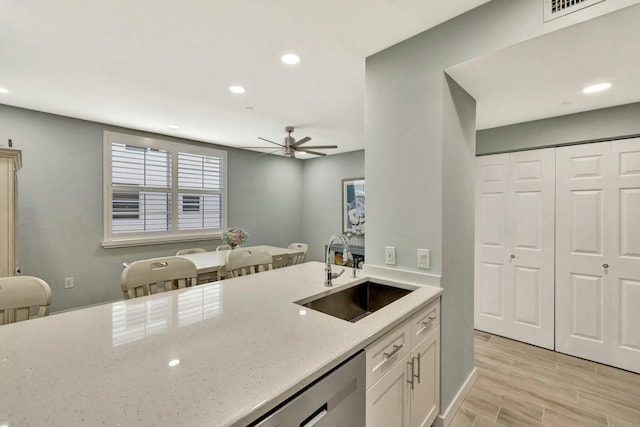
(214, 261)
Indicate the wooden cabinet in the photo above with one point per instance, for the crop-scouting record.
(403, 373)
(10, 162)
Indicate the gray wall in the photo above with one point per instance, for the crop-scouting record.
(60, 204)
(407, 105)
(606, 123)
(458, 182)
(322, 198)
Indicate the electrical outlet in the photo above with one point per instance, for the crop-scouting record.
(68, 282)
(390, 255)
(424, 258)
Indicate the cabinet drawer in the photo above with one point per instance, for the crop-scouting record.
(383, 354)
(424, 322)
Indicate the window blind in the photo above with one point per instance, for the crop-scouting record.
(157, 188)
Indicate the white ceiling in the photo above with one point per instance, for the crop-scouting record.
(150, 63)
(544, 77)
(145, 64)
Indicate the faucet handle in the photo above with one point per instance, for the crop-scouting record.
(336, 275)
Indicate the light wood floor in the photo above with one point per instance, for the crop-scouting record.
(523, 385)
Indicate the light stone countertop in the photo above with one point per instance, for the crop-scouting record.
(243, 346)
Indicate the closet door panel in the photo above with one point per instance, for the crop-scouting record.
(492, 246)
(582, 211)
(623, 254)
(532, 208)
(514, 272)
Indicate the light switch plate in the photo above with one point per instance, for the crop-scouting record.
(424, 258)
(390, 255)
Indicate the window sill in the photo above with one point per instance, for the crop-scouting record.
(123, 243)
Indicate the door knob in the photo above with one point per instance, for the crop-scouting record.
(605, 265)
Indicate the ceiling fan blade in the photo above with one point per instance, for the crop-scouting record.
(266, 148)
(319, 147)
(270, 152)
(317, 153)
(271, 141)
(301, 141)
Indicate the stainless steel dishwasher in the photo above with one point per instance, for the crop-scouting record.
(337, 399)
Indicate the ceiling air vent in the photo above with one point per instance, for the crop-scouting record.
(556, 8)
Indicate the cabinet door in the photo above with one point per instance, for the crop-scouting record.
(388, 399)
(425, 391)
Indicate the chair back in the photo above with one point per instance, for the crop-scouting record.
(18, 294)
(280, 261)
(223, 247)
(190, 251)
(148, 276)
(298, 258)
(244, 261)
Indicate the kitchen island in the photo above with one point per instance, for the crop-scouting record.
(219, 354)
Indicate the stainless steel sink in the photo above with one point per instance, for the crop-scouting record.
(356, 302)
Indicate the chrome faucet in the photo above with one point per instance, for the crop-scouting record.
(329, 276)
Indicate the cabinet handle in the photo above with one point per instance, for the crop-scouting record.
(605, 265)
(427, 324)
(417, 376)
(396, 348)
(512, 256)
(410, 380)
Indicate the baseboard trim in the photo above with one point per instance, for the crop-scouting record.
(444, 419)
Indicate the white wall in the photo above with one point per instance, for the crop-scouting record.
(60, 204)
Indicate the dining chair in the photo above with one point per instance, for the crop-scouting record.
(244, 261)
(18, 294)
(223, 247)
(298, 258)
(190, 251)
(150, 276)
(280, 261)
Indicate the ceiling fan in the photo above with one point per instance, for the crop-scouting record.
(290, 146)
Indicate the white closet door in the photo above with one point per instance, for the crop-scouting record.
(492, 246)
(598, 252)
(623, 254)
(514, 294)
(581, 206)
(532, 242)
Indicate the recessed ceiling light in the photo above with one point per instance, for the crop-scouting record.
(174, 362)
(3, 90)
(598, 87)
(237, 89)
(173, 126)
(290, 58)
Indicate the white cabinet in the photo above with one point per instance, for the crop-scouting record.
(403, 373)
(10, 162)
(514, 266)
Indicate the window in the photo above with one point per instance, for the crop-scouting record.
(160, 191)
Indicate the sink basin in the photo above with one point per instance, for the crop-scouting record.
(356, 302)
